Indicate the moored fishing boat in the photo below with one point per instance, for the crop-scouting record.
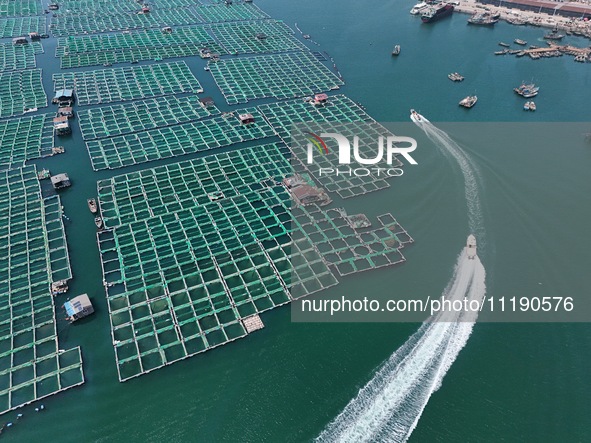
(469, 101)
(92, 205)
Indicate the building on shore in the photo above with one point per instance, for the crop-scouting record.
(566, 9)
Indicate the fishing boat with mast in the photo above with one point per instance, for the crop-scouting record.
(527, 90)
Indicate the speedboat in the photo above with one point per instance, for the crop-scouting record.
(471, 247)
(416, 117)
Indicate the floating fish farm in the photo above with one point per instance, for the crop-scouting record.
(17, 57)
(192, 250)
(20, 8)
(110, 121)
(92, 23)
(25, 138)
(20, 91)
(121, 84)
(172, 141)
(150, 44)
(238, 12)
(184, 282)
(15, 26)
(33, 244)
(256, 37)
(139, 195)
(280, 76)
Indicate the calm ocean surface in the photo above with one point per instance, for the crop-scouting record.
(512, 382)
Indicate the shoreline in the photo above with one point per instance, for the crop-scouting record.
(522, 17)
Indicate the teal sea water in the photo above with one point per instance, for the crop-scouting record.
(512, 382)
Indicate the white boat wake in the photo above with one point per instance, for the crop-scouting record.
(388, 407)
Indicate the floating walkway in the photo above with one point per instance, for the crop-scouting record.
(166, 189)
(130, 83)
(32, 242)
(110, 121)
(25, 138)
(172, 141)
(280, 76)
(20, 91)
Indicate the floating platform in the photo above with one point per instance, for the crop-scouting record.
(214, 13)
(111, 121)
(20, 91)
(130, 83)
(172, 141)
(280, 76)
(92, 22)
(149, 44)
(294, 115)
(14, 26)
(25, 138)
(32, 238)
(240, 37)
(17, 57)
(212, 266)
(170, 188)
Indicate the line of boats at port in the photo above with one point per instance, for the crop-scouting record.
(431, 11)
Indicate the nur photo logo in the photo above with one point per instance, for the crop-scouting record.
(349, 153)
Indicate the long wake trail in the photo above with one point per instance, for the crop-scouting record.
(388, 407)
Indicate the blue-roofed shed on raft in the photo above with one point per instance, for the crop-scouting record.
(78, 307)
(64, 97)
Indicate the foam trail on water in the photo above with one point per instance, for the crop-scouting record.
(388, 407)
(470, 172)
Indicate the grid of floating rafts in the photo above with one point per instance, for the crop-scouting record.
(172, 141)
(120, 84)
(343, 115)
(33, 244)
(11, 8)
(113, 7)
(16, 57)
(280, 75)
(348, 242)
(150, 44)
(222, 13)
(110, 121)
(185, 282)
(138, 195)
(256, 37)
(25, 138)
(21, 91)
(92, 23)
(17, 26)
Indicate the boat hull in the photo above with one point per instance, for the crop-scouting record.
(444, 11)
